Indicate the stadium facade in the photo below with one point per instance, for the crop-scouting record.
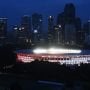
(61, 56)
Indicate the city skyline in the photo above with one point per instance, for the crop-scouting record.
(66, 28)
(15, 9)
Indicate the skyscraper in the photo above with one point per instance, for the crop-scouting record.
(3, 30)
(50, 29)
(37, 28)
(70, 34)
(78, 23)
(26, 25)
(69, 11)
(67, 20)
(61, 21)
(3, 27)
(57, 35)
(37, 21)
(79, 31)
(86, 28)
(50, 23)
(15, 33)
(69, 14)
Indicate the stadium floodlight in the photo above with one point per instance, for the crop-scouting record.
(74, 51)
(62, 51)
(40, 51)
(55, 51)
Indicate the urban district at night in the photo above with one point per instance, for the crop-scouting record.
(45, 45)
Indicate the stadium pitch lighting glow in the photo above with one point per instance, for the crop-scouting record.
(55, 51)
(38, 51)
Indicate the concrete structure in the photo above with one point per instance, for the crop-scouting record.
(27, 56)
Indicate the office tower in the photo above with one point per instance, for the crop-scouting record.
(26, 25)
(3, 30)
(37, 21)
(61, 21)
(86, 28)
(19, 38)
(79, 31)
(69, 11)
(37, 26)
(22, 33)
(78, 23)
(80, 38)
(50, 29)
(3, 27)
(70, 34)
(50, 23)
(15, 33)
(67, 17)
(57, 35)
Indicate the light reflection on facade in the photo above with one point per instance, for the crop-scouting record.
(57, 58)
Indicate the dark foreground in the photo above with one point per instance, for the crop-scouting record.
(40, 75)
(21, 82)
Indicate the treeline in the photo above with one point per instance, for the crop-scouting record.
(43, 70)
(7, 56)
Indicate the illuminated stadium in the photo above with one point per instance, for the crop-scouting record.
(57, 55)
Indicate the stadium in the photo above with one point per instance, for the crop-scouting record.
(57, 55)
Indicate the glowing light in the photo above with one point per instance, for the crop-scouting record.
(21, 28)
(59, 26)
(50, 16)
(55, 51)
(88, 20)
(15, 28)
(40, 20)
(72, 59)
(38, 51)
(35, 31)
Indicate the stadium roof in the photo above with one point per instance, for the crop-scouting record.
(30, 51)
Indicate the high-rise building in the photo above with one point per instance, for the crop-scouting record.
(86, 28)
(67, 20)
(23, 31)
(37, 28)
(78, 24)
(3, 27)
(61, 21)
(80, 38)
(37, 21)
(15, 33)
(19, 37)
(3, 30)
(69, 11)
(70, 34)
(79, 31)
(50, 23)
(57, 35)
(26, 25)
(50, 29)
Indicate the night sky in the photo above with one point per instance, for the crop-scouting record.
(14, 9)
